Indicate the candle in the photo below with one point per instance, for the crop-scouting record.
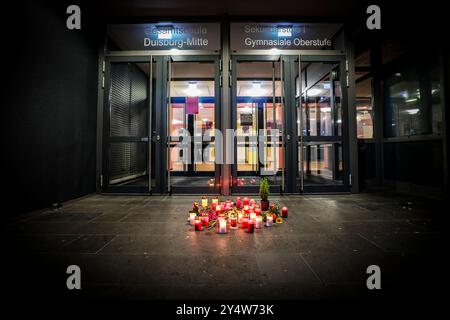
(269, 220)
(238, 202)
(233, 223)
(213, 206)
(222, 226)
(228, 204)
(198, 225)
(252, 201)
(240, 217)
(215, 200)
(258, 211)
(246, 209)
(204, 202)
(284, 212)
(252, 216)
(205, 220)
(192, 217)
(244, 223)
(245, 201)
(258, 222)
(218, 209)
(250, 226)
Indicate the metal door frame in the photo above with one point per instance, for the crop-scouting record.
(252, 57)
(167, 187)
(343, 69)
(104, 180)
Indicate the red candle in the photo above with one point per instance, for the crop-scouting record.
(245, 201)
(238, 202)
(258, 211)
(218, 209)
(244, 223)
(250, 226)
(205, 221)
(284, 212)
(246, 210)
(198, 225)
(252, 201)
(233, 223)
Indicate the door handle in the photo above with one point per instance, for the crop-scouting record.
(144, 139)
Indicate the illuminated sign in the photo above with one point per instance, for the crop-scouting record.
(164, 36)
(282, 36)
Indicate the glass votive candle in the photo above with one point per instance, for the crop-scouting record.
(244, 223)
(240, 217)
(192, 217)
(246, 209)
(252, 201)
(204, 202)
(205, 220)
(269, 220)
(222, 226)
(252, 216)
(250, 226)
(245, 201)
(198, 225)
(258, 222)
(238, 202)
(233, 223)
(284, 212)
(215, 200)
(258, 211)
(218, 209)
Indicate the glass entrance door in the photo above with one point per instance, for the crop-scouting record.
(193, 116)
(128, 153)
(321, 97)
(257, 117)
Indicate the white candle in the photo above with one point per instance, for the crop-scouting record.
(204, 202)
(192, 218)
(258, 222)
(222, 226)
(269, 221)
(253, 216)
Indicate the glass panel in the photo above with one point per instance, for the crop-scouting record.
(405, 114)
(192, 116)
(128, 161)
(319, 123)
(128, 164)
(364, 113)
(322, 164)
(128, 99)
(258, 118)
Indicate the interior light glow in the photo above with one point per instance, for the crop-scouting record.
(411, 100)
(412, 111)
(314, 92)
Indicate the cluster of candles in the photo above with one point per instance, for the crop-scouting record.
(249, 215)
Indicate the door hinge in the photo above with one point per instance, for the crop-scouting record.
(350, 179)
(348, 83)
(229, 65)
(220, 64)
(346, 65)
(101, 180)
(103, 66)
(103, 82)
(229, 80)
(220, 80)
